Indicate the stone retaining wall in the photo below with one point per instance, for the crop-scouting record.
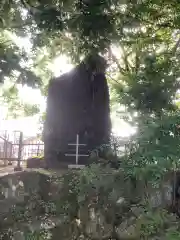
(36, 187)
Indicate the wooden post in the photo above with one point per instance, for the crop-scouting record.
(5, 149)
(77, 148)
(114, 145)
(10, 153)
(115, 149)
(38, 150)
(18, 167)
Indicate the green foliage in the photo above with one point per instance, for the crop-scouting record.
(12, 60)
(154, 223)
(145, 80)
(145, 34)
(153, 139)
(38, 157)
(152, 88)
(16, 107)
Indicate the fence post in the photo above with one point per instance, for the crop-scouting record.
(10, 154)
(18, 167)
(38, 150)
(5, 149)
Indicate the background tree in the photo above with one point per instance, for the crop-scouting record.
(141, 40)
(145, 35)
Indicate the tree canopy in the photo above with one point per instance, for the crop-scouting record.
(145, 34)
(141, 42)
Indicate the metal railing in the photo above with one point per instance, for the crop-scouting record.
(14, 149)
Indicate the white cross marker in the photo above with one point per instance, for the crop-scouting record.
(77, 155)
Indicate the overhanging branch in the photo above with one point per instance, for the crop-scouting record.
(114, 58)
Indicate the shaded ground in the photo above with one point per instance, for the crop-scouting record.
(6, 170)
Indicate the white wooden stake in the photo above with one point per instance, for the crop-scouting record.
(77, 148)
(77, 155)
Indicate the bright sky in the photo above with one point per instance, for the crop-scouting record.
(29, 125)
